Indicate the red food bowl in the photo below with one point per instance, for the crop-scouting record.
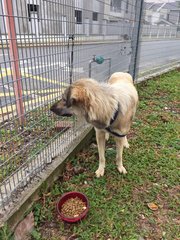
(67, 196)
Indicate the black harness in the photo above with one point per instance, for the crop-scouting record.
(113, 119)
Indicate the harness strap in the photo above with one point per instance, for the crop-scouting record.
(114, 133)
(115, 115)
(112, 121)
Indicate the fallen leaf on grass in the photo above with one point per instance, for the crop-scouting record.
(73, 237)
(47, 194)
(142, 216)
(152, 206)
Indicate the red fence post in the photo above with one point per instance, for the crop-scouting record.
(13, 49)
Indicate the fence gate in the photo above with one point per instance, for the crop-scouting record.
(44, 46)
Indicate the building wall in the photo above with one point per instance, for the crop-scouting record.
(174, 16)
(88, 26)
(151, 16)
(111, 13)
(51, 19)
(58, 18)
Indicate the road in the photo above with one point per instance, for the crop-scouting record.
(45, 70)
(158, 53)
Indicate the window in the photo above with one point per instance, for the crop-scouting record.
(95, 16)
(33, 8)
(115, 5)
(78, 16)
(127, 6)
(149, 18)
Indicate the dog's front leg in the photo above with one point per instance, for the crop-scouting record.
(100, 138)
(120, 142)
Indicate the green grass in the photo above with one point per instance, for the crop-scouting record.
(18, 144)
(118, 203)
(5, 233)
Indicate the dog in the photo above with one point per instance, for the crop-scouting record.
(109, 107)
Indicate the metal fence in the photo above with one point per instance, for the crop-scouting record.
(44, 46)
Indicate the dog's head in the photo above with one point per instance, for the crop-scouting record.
(63, 107)
(74, 101)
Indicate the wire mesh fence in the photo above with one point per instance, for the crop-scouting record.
(159, 42)
(45, 45)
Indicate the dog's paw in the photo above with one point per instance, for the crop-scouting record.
(122, 170)
(100, 172)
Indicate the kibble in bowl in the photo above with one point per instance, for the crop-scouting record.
(72, 207)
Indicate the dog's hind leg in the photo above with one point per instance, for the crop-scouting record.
(107, 136)
(100, 138)
(119, 149)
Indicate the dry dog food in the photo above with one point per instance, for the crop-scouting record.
(73, 207)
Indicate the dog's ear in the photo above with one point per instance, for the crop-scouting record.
(71, 99)
(67, 97)
(71, 96)
(77, 96)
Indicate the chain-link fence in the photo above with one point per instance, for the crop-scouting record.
(47, 44)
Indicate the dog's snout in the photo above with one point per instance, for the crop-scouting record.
(60, 110)
(53, 108)
(66, 112)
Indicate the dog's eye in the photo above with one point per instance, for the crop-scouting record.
(63, 99)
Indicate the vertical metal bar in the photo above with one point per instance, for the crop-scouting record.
(71, 57)
(14, 59)
(136, 39)
(90, 63)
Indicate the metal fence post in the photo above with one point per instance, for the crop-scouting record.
(133, 70)
(13, 49)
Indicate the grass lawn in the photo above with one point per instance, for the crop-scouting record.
(119, 203)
